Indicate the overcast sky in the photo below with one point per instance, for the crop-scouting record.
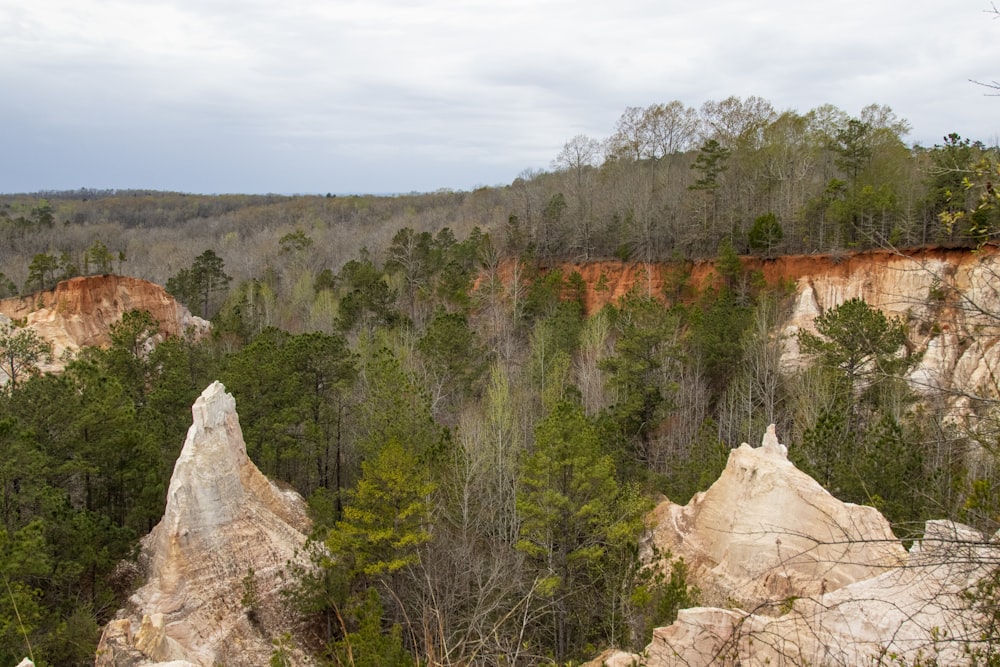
(384, 96)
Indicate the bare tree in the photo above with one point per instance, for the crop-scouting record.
(994, 84)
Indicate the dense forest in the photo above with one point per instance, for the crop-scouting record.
(424, 352)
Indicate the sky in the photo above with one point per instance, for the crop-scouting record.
(395, 96)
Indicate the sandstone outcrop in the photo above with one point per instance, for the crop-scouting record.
(809, 580)
(949, 300)
(766, 531)
(904, 615)
(79, 312)
(225, 525)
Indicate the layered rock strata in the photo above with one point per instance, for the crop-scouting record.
(79, 312)
(225, 527)
(949, 298)
(917, 613)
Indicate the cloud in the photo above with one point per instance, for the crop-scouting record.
(266, 96)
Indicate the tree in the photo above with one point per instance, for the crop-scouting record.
(295, 242)
(198, 283)
(21, 352)
(658, 131)
(99, 257)
(858, 341)
(368, 646)
(711, 162)
(7, 286)
(567, 503)
(388, 516)
(293, 390)
(577, 159)
(367, 301)
(41, 271)
(765, 234)
(386, 524)
(737, 123)
(640, 373)
(453, 357)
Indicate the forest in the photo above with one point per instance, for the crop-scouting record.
(478, 452)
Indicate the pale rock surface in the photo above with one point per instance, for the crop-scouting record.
(78, 313)
(915, 612)
(950, 300)
(222, 519)
(766, 531)
(819, 582)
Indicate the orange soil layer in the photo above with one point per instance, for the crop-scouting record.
(621, 277)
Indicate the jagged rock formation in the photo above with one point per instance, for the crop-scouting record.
(913, 612)
(223, 521)
(767, 531)
(79, 311)
(810, 580)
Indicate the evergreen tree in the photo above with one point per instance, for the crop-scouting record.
(195, 286)
(571, 524)
(21, 353)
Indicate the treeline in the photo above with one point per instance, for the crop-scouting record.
(668, 182)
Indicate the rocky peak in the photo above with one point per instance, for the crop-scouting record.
(765, 531)
(825, 582)
(224, 522)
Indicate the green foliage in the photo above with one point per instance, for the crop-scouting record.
(42, 272)
(368, 645)
(394, 407)
(367, 302)
(765, 234)
(858, 341)
(415, 529)
(571, 522)
(297, 241)
(387, 518)
(281, 656)
(7, 286)
(251, 598)
(717, 322)
(710, 163)
(697, 466)
(660, 592)
(453, 352)
(195, 286)
(21, 353)
(639, 372)
(98, 259)
(292, 392)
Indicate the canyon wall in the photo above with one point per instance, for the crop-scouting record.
(949, 298)
(79, 312)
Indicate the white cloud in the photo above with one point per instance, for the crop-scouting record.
(414, 90)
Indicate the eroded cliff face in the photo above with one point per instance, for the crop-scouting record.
(949, 298)
(225, 524)
(79, 312)
(808, 580)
